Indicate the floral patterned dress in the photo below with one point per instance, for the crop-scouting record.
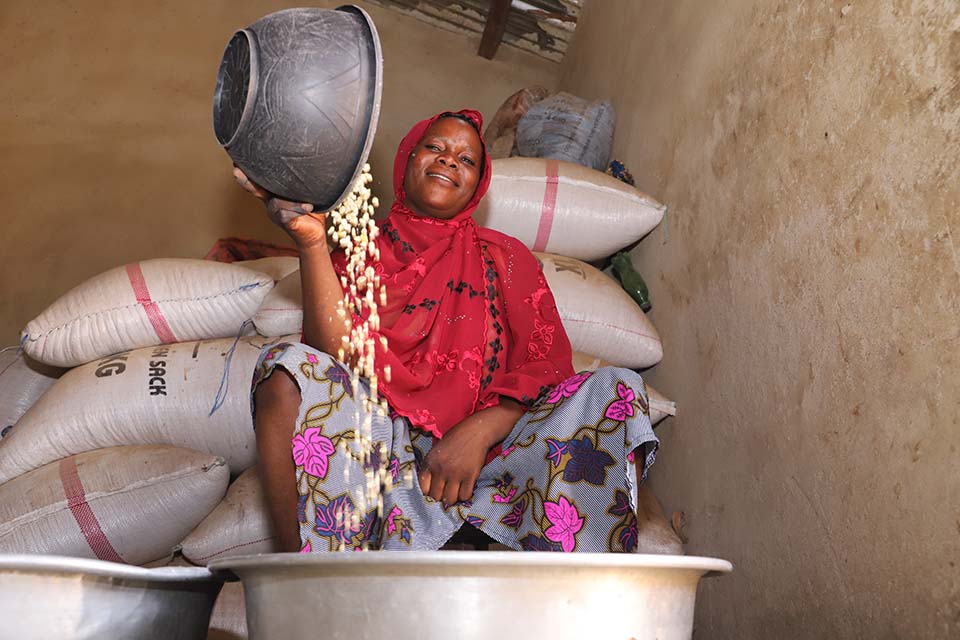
(564, 480)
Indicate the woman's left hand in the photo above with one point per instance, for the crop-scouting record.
(450, 471)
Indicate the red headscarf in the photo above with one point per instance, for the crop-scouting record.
(469, 316)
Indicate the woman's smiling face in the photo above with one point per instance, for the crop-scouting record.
(444, 169)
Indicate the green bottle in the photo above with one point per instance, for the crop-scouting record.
(631, 281)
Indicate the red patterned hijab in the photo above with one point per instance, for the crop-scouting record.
(469, 316)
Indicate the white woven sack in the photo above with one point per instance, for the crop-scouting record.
(159, 395)
(660, 406)
(240, 525)
(281, 312)
(598, 315)
(277, 267)
(566, 209)
(123, 504)
(146, 303)
(22, 382)
(228, 621)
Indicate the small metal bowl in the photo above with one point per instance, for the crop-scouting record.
(464, 594)
(43, 597)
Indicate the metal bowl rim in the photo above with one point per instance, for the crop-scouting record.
(468, 559)
(101, 568)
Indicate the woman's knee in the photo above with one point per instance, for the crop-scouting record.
(610, 374)
(278, 391)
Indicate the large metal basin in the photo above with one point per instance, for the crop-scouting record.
(44, 597)
(466, 595)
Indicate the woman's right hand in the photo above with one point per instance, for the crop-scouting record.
(308, 229)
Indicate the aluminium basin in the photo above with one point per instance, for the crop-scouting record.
(45, 597)
(469, 594)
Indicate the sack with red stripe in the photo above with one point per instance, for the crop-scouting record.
(240, 525)
(660, 405)
(122, 504)
(22, 382)
(598, 315)
(142, 304)
(566, 209)
(194, 395)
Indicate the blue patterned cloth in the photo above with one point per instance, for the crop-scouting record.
(565, 479)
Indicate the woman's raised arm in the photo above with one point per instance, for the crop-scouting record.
(323, 329)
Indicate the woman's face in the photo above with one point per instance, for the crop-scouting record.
(444, 169)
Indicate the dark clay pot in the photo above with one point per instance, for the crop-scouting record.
(297, 101)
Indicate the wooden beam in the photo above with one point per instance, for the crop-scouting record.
(551, 15)
(495, 28)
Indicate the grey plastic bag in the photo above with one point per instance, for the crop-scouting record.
(565, 127)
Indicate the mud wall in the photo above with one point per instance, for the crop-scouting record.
(806, 287)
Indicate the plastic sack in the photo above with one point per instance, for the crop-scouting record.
(598, 316)
(566, 127)
(239, 525)
(277, 267)
(654, 533)
(282, 310)
(565, 209)
(512, 109)
(22, 382)
(194, 395)
(122, 504)
(500, 133)
(142, 304)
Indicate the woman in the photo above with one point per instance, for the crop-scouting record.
(486, 411)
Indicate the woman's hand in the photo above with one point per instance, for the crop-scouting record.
(307, 229)
(323, 329)
(451, 469)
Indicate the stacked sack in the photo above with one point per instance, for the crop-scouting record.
(126, 409)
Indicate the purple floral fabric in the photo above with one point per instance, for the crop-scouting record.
(565, 480)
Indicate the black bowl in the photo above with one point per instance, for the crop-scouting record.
(297, 101)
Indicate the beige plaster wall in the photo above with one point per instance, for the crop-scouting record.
(107, 152)
(806, 287)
